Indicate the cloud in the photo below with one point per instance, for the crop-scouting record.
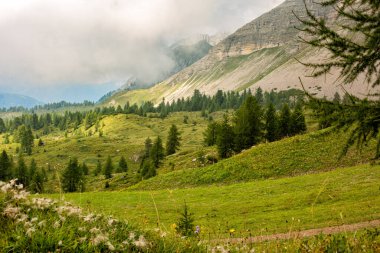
(52, 43)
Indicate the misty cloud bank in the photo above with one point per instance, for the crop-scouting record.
(54, 43)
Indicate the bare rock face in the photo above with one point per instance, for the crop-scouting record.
(272, 29)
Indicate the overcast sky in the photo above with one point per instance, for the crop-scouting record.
(81, 49)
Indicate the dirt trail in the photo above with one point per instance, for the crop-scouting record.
(305, 233)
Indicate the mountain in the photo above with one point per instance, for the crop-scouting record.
(263, 53)
(15, 100)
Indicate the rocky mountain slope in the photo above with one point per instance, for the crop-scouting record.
(261, 53)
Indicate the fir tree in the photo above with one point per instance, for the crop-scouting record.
(172, 144)
(298, 124)
(98, 168)
(84, 169)
(285, 118)
(72, 177)
(185, 222)
(248, 127)
(225, 139)
(32, 169)
(123, 166)
(271, 124)
(157, 152)
(5, 167)
(37, 184)
(148, 169)
(21, 172)
(2, 126)
(148, 146)
(108, 168)
(210, 134)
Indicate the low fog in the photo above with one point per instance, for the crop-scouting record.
(49, 47)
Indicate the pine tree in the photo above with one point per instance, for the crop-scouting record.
(3, 129)
(98, 168)
(84, 169)
(210, 134)
(72, 177)
(148, 169)
(148, 147)
(225, 139)
(157, 152)
(123, 166)
(248, 126)
(32, 170)
(298, 124)
(21, 172)
(172, 144)
(108, 168)
(352, 41)
(285, 121)
(37, 185)
(259, 96)
(271, 124)
(186, 222)
(5, 167)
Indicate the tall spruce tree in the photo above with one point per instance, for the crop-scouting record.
(225, 139)
(298, 123)
(210, 134)
(3, 129)
(72, 177)
(123, 166)
(157, 153)
(271, 124)
(5, 166)
(248, 126)
(285, 121)
(21, 172)
(108, 168)
(172, 144)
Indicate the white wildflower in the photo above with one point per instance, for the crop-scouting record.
(5, 188)
(163, 234)
(99, 239)
(19, 186)
(82, 239)
(20, 195)
(94, 230)
(60, 243)
(42, 203)
(69, 210)
(13, 182)
(30, 231)
(42, 223)
(125, 242)
(62, 218)
(22, 218)
(34, 219)
(89, 218)
(132, 236)
(56, 224)
(11, 211)
(82, 229)
(28, 224)
(141, 242)
(110, 246)
(111, 221)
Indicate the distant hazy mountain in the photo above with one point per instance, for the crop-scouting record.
(12, 100)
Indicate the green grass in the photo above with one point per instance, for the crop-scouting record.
(297, 155)
(122, 135)
(344, 195)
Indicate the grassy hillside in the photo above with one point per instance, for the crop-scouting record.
(297, 155)
(344, 195)
(123, 135)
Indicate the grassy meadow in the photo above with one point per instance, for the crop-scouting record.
(342, 196)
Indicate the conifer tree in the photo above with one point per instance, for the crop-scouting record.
(186, 222)
(123, 166)
(98, 168)
(148, 146)
(84, 169)
(210, 134)
(298, 124)
(72, 177)
(271, 124)
(172, 144)
(157, 153)
(225, 139)
(5, 167)
(37, 184)
(2, 126)
(352, 41)
(248, 126)
(259, 96)
(32, 169)
(148, 169)
(108, 168)
(21, 172)
(285, 118)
